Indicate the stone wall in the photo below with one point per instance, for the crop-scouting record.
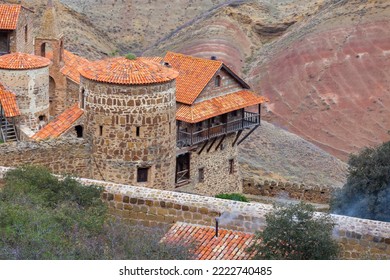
(359, 238)
(132, 127)
(218, 175)
(73, 92)
(19, 40)
(315, 194)
(64, 156)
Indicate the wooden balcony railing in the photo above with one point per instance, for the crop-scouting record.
(182, 176)
(196, 137)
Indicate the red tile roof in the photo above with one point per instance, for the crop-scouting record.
(194, 74)
(8, 103)
(229, 245)
(60, 124)
(22, 61)
(218, 106)
(72, 66)
(120, 70)
(9, 15)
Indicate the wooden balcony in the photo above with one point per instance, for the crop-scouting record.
(195, 136)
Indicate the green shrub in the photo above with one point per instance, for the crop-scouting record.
(232, 196)
(131, 56)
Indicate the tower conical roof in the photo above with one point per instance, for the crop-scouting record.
(49, 26)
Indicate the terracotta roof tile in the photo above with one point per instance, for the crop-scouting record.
(9, 15)
(120, 70)
(194, 74)
(228, 245)
(72, 66)
(218, 106)
(60, 124)
(8, 103)
(21, 61)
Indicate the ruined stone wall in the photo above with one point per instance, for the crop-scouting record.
(62, 156)
(131, 127)
(219, 176)
(20, 41)
(32, 93)
(228, 85)
(316, 194)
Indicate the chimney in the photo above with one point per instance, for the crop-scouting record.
(216, 227)
(213, 57)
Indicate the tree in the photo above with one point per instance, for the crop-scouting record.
(367, 191)
(43, 217)
(295, 233)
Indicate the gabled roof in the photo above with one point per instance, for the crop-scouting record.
(218, 106)
(60, 124)
(194, 75)
(8, 103)
(229, 245)
(120, 70)
(22, 61)
(9, 15)
(72, 65)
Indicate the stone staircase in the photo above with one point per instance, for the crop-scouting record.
(7, 131)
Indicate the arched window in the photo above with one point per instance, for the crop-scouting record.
(218, 81)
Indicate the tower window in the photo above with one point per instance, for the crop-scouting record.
(25, 34)
(201, 175)
(79, 131)
(218, 81)
(138, 131)
(231, 166)
(142, 174)
(82, 99)
(100, 130)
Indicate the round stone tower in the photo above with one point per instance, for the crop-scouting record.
(130, 106)
(28, 77)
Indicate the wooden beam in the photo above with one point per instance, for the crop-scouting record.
(220, 142)
(212, 144)
(249, 133)
(204, 146)
(237, 136)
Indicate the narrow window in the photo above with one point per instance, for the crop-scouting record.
(201, 175)
(142, 174)
(79, 131)
(82, 99)
(218, 81)
(100, 130)
(231, 166)
(25, 34)
(138, 131)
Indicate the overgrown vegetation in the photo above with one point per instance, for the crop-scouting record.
(232, 196)
(42, 217)
(131, 56)
(367, 191)
(294, 232)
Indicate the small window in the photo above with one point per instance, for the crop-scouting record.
(100, 130)
(231, 166)
(218, 81)
(42, 118)
(142, 174)
(79, 131)
(25, 34)
(82, 99)
(138, 131)
(201, 175)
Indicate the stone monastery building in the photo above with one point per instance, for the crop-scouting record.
(165, 123)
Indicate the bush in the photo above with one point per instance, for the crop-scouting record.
(295, 233)
(232, 196)
(367, 191)
(131, 56)
(42, 217)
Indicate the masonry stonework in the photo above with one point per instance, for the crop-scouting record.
(131, 127)
(22, 39)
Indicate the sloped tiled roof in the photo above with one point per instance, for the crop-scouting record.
(9, 15)
(120, 70)
(218, 106)
(229, 245)
(72, 65)
(194, 74)
(22, 61)
(60, 124)
(8, 103)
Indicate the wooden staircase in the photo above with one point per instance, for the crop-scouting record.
(8, 131)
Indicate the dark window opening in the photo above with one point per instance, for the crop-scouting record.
(4, 43)
(25, 34)
(142, 174)
(183, 169)
(82, 99)
(201, 175)
(42, 118)
(79, 131)
(138, 131)
(234, 113)
(231, 166)
(218, 81)
(100, 130)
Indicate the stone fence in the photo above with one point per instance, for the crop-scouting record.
(315, 194)
(359, 238)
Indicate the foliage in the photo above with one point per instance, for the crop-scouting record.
(232, 196)
(367, 191)
(131, 56)
(43, 217)
(294, 232)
